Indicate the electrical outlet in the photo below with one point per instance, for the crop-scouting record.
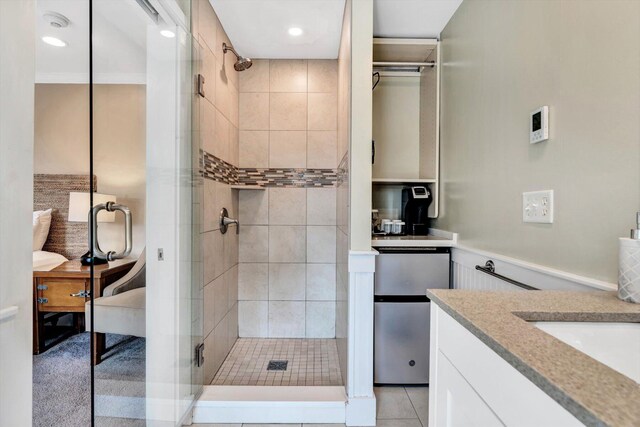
(537, 206)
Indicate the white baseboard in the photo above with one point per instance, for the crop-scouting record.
(270, 405)
(361, 411)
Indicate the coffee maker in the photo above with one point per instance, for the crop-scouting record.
(415, 206)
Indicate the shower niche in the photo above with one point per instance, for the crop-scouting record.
(406, 114)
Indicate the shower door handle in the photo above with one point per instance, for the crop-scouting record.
(128, 231)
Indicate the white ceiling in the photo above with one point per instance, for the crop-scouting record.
(412, 18)
(119, 35)
(258, 28)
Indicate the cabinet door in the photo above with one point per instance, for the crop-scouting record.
(458, 403)
(58, 295)
(401, 345)
(411, 274)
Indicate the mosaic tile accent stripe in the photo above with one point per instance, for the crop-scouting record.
(217, 169)
(220, 171)
(288, 177)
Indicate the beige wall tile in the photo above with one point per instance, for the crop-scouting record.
(321, 206)
(254, 111)
(322, 149)
(220, 342)
(288, 75)
(233, 325)
(207, 24)
(256, 78)
(209, 304)
(320, 319)
(253, 319)
(234, 145)
(220, 293)
(286, 319)
(229, 57)
(230, 246)
(254, 149)
(222, 135)
(224, 199)
(287, 149)
(212, 255)
(287, 206)
(208, 71)
(287, 244)
(321, 244)
(209, 362)
(207, 126)
(254, 207)
(233, 287)
(287, 282)
(321, 282)
(222, 101)
(254, 243)
(253, 281)
(210, 220)
(234, 105)
(288, 111)
(323, 111)
(323, 75)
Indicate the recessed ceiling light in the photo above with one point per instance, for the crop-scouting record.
(295, 31)
(168, 34)
(53, 41)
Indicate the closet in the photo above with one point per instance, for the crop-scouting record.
(406, 98)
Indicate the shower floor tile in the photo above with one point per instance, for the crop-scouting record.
(312, 362)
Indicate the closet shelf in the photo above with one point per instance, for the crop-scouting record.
(247, 187)
(403, 181)
(403, 50)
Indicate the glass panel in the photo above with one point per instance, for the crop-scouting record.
(145, 301)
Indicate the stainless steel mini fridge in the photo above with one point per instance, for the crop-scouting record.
(402, 311)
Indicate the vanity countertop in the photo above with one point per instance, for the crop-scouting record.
(590, 390)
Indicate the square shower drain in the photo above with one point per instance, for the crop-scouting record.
(277, 365)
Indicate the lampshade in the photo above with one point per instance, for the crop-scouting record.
(79, 207)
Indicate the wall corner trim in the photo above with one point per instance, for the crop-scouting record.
(362, 261)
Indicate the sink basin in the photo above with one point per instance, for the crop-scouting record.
(616, 345)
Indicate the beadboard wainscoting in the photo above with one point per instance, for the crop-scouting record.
(465, 275)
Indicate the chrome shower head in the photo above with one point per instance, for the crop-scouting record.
(242, 63)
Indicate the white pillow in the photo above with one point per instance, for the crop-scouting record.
(41, 224)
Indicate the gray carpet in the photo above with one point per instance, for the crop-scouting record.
(62, 383)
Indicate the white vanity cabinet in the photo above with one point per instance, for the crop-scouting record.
(471, 385)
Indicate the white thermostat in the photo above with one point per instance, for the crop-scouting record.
(539, 125)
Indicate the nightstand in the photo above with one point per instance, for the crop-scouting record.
(66, 289)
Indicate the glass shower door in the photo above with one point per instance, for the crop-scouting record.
(145, 317)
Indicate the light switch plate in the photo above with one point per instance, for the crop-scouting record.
(537, 207)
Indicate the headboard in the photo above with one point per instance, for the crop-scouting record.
(69, 239)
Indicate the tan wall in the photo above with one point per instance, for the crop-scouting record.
(217, 122)
(396, 123)
(287, 278)
(503, 59)
(62, 146)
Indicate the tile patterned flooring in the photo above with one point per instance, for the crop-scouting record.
(312, 362)
(396, 407)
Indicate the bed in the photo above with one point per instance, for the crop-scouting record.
(47, 261)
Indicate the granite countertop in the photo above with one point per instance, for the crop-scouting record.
(590, 390)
